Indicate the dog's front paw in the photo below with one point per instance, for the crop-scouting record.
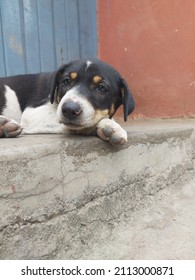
(9, 128)
(108, 129)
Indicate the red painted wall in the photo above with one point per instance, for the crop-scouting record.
(152, 43)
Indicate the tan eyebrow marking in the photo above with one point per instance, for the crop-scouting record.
(97, 79)
(73, 75)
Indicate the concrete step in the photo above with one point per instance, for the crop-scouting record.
(66, 197)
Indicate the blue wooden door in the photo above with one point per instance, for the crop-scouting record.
(39, 35)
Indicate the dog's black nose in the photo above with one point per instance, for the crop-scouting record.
(71, 109)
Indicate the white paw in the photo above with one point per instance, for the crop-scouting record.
(9, 128)
(108, 129)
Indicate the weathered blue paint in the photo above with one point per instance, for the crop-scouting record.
(14, 52)
(2, 61)
(31, 31)
(87, 26)
(39, 35)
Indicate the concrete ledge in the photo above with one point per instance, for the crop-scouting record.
(62, 196)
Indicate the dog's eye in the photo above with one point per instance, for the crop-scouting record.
(67, 81)
(101, 88)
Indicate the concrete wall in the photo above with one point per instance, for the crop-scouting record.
(66, 197)
(152, 44)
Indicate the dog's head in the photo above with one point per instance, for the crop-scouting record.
(87, 91)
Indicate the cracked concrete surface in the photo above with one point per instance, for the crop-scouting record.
(72, 197)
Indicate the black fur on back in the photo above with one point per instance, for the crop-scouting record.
(31, 89)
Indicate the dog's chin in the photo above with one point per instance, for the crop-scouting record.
(72, 125)
(79, 124)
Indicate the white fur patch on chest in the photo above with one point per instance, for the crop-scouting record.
(41, 119)
(12, 109)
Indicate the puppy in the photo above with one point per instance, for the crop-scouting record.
(81, 97)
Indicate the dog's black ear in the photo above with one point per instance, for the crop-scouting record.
(54, 82)
(127, 100)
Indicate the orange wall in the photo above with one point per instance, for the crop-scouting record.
(152, 44)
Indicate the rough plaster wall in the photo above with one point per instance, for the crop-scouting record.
(64, 198)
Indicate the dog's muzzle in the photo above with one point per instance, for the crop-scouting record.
(71, 109)
(75, 111)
